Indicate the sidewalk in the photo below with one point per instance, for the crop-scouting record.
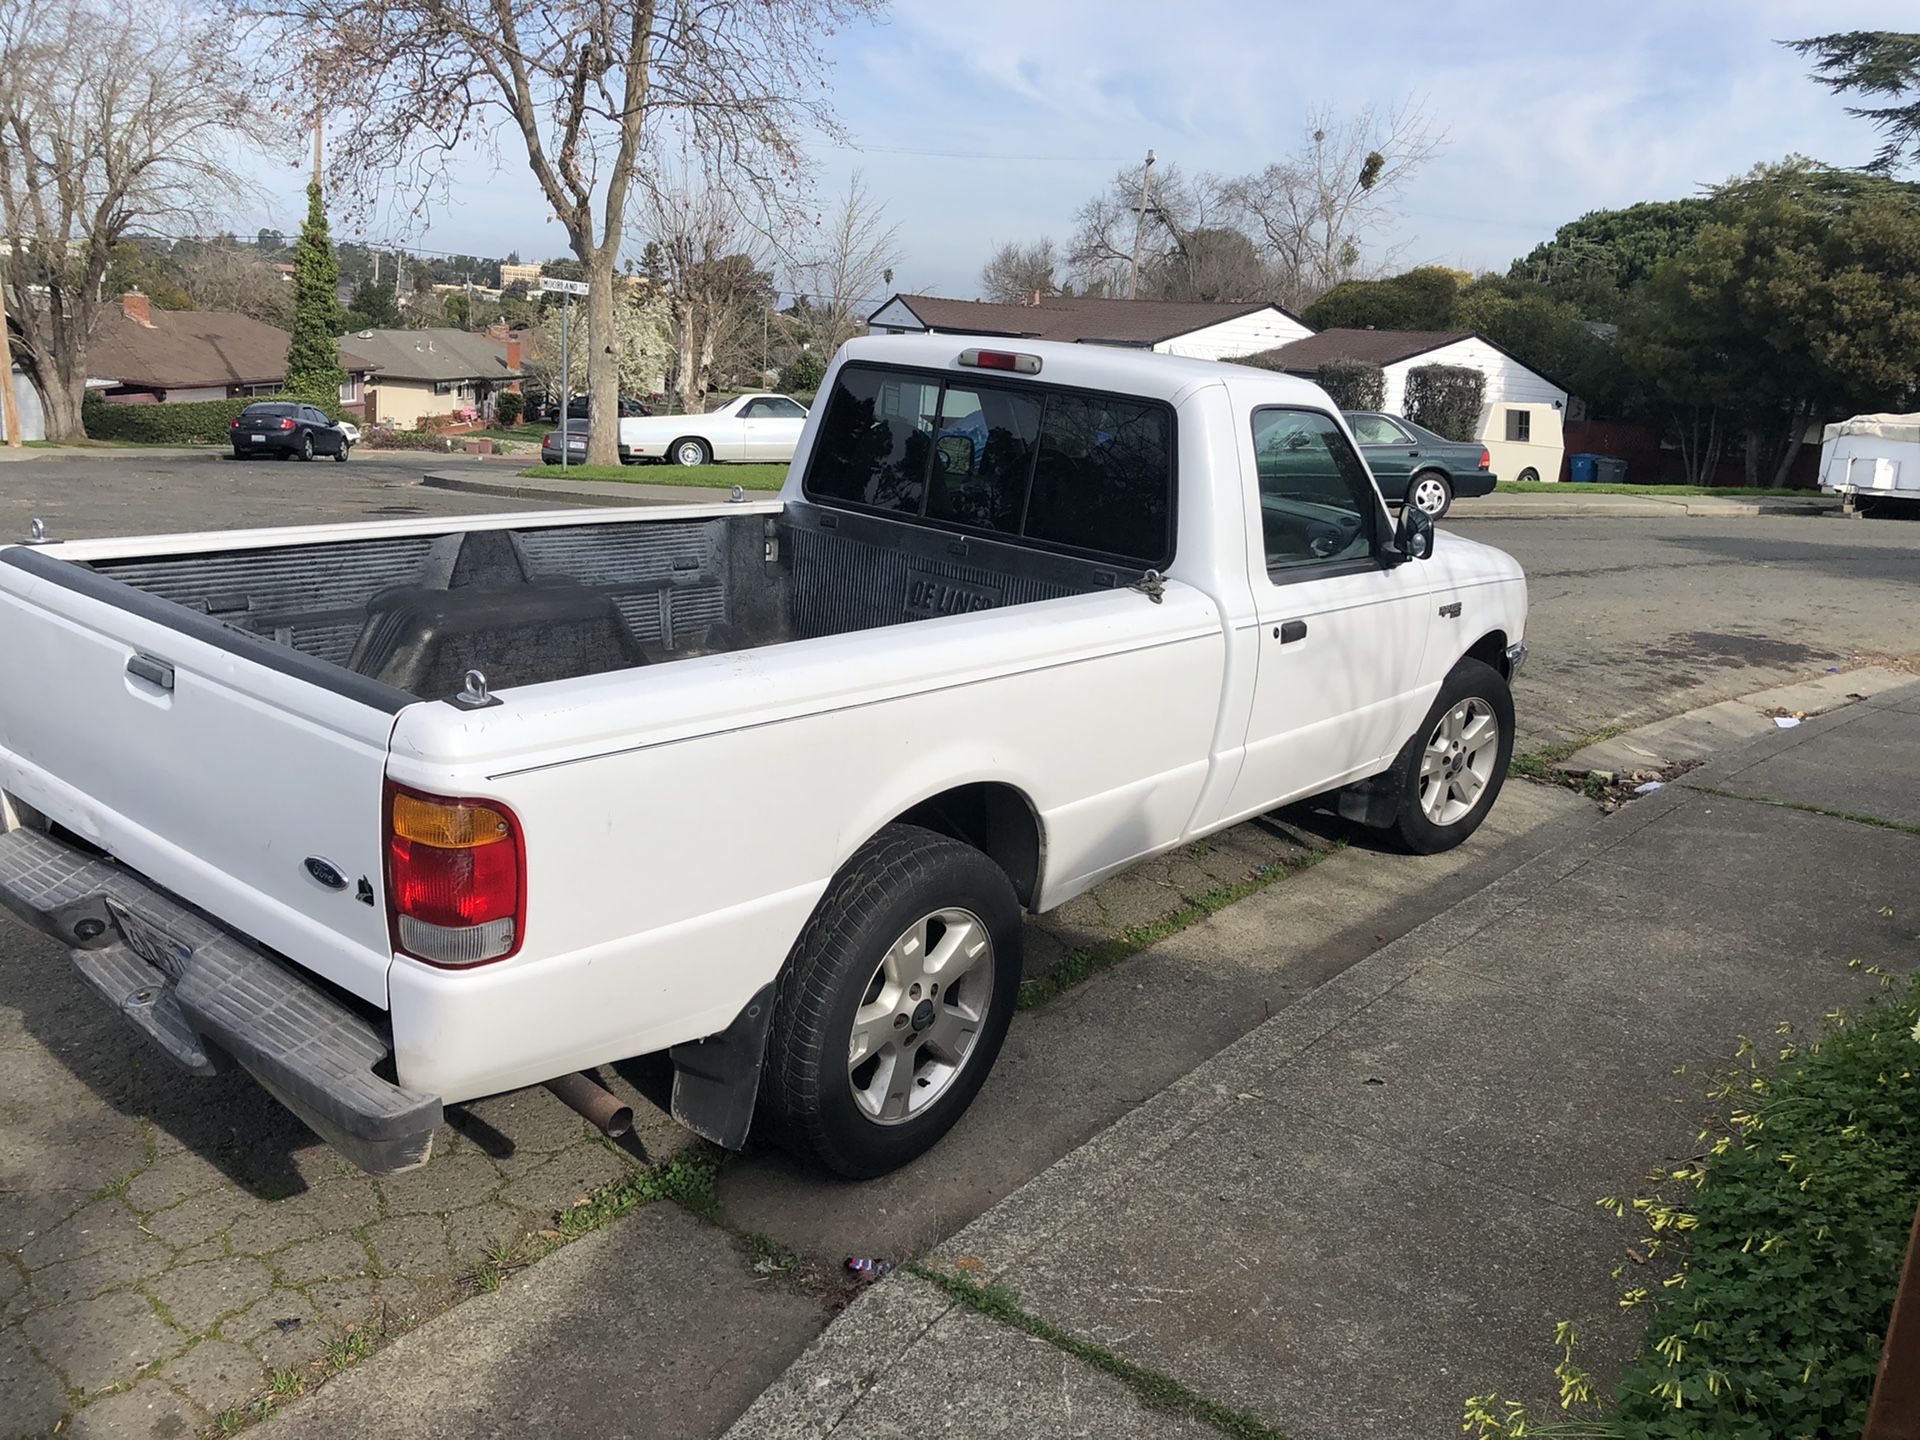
(1381, 1201)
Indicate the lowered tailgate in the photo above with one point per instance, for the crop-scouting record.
(214, 762)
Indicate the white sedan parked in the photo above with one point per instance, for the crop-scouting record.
(752, 427)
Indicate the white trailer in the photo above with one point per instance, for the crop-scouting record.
(1872, 457)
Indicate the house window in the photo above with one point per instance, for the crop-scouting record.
(1519, 425)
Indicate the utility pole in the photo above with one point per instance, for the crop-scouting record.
(1139, 220)
(9, 409)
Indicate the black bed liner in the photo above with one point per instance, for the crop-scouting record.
(406, 616)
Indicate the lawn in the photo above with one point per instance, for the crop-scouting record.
(707, 477)
(1547, 487)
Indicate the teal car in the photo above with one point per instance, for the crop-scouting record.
(1415, 466)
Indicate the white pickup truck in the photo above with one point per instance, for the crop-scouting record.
(400, 814)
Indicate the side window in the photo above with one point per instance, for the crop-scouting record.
(1377, 430)
(1104, 478)
(757, 410)
(875, 441)
(1519, 425)
(782, 408)
(1317, 506)
(983, 445)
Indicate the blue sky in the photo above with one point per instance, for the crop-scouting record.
(1028, 106)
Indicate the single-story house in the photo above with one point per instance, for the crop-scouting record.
(416, 373)
(1398, 351)
(1203, 329)
(141, 356)
(1522, 412)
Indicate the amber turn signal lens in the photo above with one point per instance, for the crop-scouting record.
(448, 827)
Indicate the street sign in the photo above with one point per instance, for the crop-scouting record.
(564, 287)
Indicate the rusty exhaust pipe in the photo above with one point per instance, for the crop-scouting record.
(587, 1095)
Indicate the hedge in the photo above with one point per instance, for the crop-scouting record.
(1354, 384)
(1446, 399)
(194, 422)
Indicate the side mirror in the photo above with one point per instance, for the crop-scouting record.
(1413, 536)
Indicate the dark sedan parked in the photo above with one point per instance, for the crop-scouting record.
(280, 427)
(1415, 465)
(575, 433)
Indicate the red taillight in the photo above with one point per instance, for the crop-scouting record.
(456, 878)
(234, 424)
(287, 424)
(1486, 458)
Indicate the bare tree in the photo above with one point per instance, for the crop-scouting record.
(1315, 212)
(581, 89)
(713, 261)
(108, 121)
(219, 277)
(1101, 252)
(1016, 272)
(852, 258)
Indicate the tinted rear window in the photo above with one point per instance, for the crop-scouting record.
(263, 411)
(1058, 468)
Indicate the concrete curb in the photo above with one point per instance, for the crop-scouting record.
(1697, 734)
(821, 1389)
(1554, 507)
(588, 492)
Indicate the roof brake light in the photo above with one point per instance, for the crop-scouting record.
(1001, 360)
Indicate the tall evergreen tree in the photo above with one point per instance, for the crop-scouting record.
(313, 364)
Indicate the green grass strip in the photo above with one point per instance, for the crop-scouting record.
(1575, 491)
(1539, 764)
(1154, 1390)
(704, 477)
(1874, 820)
(1079, 965)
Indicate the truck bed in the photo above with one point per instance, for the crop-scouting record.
(546, 600)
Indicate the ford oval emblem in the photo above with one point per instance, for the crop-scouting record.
(326, 872)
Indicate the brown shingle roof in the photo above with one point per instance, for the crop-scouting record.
(1382, 347)
(185, 348)
(438, 354)
(1091, 319)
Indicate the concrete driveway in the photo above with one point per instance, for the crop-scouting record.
(174, 1248)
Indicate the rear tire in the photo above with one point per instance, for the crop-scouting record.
(340, 455)
(691, 451)
(912, 919)
(1529, 476)
(306, 447)
(1429, 491)
(1451, 770)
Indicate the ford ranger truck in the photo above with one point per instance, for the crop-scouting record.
(398, 814)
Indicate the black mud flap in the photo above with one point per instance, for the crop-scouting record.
(716, 1079)
(1374, 802)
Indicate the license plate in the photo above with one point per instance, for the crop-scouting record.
(151, 943)
(259, 439)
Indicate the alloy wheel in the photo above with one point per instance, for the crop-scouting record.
(920, 1016)
(1458, 762)
(1430, 495)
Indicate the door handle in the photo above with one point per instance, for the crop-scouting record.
(1290, 631)
(156, 672)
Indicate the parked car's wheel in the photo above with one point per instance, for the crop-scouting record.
(893, 1004)
(341, 454)
(691, 451)
(1452, 769)
(1529, 476)
(306, 446)
(1430, 491)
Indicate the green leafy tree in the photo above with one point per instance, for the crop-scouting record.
(313, 364)
(458, 308)
(1594, 263)
(1874, 62)
(1421, 299)
(1798, 303)
(374, 307)
(1354, 384)
(803, 373)
(1545, 334)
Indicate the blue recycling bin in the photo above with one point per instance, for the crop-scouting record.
(1581, 468)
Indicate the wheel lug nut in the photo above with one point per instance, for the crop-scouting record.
(898, 1021)
(913, 991)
